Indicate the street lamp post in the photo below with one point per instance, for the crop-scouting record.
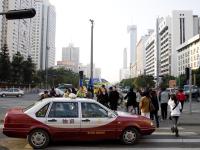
(46, 67)
(91, 61)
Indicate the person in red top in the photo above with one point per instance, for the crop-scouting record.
(181, 97)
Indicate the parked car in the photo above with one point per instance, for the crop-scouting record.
(12, 92)
(73, 119)
(194, 91)
(63, 87)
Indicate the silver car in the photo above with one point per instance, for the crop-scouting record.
(12, 92)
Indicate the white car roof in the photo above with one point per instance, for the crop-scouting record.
(45, 101)
(62, 99)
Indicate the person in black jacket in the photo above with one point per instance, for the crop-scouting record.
(103, 96)
(113, 98)
(131, 102)
(154, 101)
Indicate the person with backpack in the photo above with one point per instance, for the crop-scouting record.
(175, 112)
(181, 97)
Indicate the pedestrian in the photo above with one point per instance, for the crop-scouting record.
(74, 91)
(138, 97)
(144, 105)
(131, 102)
(89, 93)
(113, 98)
(67, 92)
(181, 97)
(81, 92)
(175, 112)
(44, 95)
(103, 96)
(163, 98)
(53, 92)
(155, 103)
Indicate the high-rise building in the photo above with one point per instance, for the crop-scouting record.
(173, 31)
(43, 34)
(3, 25)
(34, 37)
(141, 54)
(182, 30)
(70, 54)
(16, 33)
(124, 72)
(133, 39)
(1, 10)
(189, 54)
(165, 33)
(151, 51)
(51, 35)
(125, 59)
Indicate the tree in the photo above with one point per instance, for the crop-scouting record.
(196, 76)
(181, 80)
(165, 81)
(127, 82)
(57, 76)
(5, 65)
(17, 68)
(144, 81)
(28, 70)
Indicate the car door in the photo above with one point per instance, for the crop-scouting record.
(15, 92)
(96, 122)
(63, 118)
(10, 92)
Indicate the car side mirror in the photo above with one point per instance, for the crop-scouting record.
(110, 115)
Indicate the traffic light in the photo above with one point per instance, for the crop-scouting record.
(81, 74)
(20, 14)
(187, 73)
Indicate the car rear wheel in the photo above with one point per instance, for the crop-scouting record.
(129, 136)
(3, 95)
(20, 95)
(38, 139)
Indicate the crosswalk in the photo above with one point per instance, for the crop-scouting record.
(161, 139)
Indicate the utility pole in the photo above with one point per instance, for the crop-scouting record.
(91, 61)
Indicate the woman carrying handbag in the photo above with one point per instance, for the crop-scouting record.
(175, 110)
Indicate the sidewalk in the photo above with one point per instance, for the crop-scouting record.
(192, 119)
(187, 118)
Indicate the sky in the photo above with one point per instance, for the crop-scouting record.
(111, 18)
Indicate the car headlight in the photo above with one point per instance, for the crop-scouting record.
(152, 123)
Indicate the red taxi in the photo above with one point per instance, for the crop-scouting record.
(78, 119)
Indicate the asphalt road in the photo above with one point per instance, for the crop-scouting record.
(10, 102)
(161, 139)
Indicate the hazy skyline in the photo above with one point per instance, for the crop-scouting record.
(111, 18)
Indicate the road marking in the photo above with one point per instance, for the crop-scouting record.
(168, 128)
(169, 133)
(169, 141)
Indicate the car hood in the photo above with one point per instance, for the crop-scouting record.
(126, 114)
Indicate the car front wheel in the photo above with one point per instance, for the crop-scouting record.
(38, 139)
(3, 95)
(129, 136)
